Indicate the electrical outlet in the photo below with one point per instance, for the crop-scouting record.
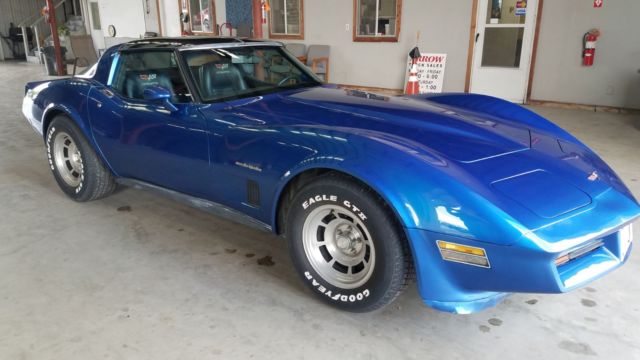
(346, 27)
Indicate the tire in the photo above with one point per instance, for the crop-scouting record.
(346, 245)
(75, 166)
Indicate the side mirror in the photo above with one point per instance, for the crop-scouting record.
(159, 94)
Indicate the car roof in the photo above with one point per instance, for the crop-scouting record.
(192, 41)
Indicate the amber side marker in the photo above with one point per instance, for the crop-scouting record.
(464, 254)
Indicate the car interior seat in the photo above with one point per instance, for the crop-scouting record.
(221, 79)
(137, 81)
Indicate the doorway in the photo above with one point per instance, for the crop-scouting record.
(502, 53)
(95, 26)
(152, 17)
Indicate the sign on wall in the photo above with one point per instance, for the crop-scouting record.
(598, 3)
(521, 8)
(430, 72)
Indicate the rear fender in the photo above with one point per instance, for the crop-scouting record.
(53, 110)
(69, 99)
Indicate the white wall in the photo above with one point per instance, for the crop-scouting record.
(221, 11)
(170, 16)
(614, 80)
(126, 15)
(444, 27)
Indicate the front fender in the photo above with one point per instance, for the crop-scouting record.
(427, 197)
(421, 187)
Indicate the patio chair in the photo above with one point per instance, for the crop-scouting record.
(318, 60)
(84, 51)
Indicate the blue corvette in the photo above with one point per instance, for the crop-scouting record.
(476, 197)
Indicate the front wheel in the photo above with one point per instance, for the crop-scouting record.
(346, 245)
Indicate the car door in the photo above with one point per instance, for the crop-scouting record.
(146, 140)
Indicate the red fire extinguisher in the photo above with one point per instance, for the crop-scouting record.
(589, 47)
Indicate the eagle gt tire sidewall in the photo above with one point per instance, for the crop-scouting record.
(386, 242)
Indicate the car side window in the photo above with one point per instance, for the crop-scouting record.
(232, 73)
(138, 70)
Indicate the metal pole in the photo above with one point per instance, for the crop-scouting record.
(257, 19)
(25, 41)
(36, 33)
(56, 40)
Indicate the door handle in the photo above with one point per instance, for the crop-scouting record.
(108, 93)
(98, 104)
(477, 37)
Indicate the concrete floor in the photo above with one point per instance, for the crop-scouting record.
(135, 276)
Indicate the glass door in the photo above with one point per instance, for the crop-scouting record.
(503, 48)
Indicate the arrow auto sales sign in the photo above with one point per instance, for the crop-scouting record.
(430, 72)
(598, 3)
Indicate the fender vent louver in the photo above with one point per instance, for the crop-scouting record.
(253, 193)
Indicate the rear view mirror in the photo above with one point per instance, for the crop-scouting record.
(159, 94)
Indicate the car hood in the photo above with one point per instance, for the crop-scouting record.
(463, 137)
(504, 161)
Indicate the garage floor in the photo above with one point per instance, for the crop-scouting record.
(135, 276)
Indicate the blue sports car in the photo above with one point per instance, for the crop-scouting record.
(476, 197)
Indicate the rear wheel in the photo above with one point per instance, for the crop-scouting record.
(76, 167)
(346, 245)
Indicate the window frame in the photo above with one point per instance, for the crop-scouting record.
(281, 36)
(212, 16)
(195, 88)
(117, 62)
(376, 38)
(96, 22)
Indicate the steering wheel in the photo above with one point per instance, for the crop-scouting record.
(281, 82)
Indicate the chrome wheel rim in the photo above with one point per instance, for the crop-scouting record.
(68, 159)
(338, 245)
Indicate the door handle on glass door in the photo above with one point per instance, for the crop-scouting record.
(477, 37)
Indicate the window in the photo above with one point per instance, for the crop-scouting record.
(287, 19)
(234, 73)
(138, 70)
(377, 20)
(95, 16)
(202, 16)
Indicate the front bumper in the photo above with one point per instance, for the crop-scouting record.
(523, 267)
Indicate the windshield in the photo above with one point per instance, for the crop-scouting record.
(233, 73)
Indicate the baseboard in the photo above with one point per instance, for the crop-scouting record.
(377, 90)
(586, 107)
(553, 104)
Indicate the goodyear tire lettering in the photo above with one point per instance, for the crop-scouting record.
(337, 297)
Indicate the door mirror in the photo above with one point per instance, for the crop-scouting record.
(159, 94)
